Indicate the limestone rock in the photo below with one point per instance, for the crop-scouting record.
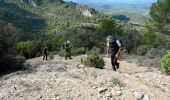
(103, 89)
(146, 97)
(138, 95)
(115, 92)
(81, 66)
(108, 94)
(119, 93)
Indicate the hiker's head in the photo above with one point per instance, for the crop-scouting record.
(111, 38)
(46, 46)
(108, 38)
(68, 42)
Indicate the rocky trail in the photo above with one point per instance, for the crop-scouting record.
(59, 79)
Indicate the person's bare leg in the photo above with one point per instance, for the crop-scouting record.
(70, 55)
(65, 56)
(107, 52)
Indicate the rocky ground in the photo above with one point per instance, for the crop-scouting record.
(69, 80)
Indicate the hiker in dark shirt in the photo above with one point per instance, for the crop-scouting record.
(45, 52)
(115, 46)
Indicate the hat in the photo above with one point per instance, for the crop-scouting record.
(68, 41)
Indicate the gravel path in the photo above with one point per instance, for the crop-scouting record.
(69, 80)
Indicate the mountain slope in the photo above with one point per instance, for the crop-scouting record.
(46, 16)
(64, 80)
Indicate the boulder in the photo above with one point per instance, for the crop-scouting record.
(115, 92)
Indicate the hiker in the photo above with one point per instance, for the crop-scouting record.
(67, 47)
(45, 52)
(115, 46)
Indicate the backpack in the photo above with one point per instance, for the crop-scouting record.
(114, 43)
(63, 46)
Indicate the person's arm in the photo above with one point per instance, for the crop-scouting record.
(117, 55)
(42, 50)
(108, 48)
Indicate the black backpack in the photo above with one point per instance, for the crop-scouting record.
(114, 44)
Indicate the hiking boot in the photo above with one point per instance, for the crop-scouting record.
(114, 68)
(70, 58)
(117, 65)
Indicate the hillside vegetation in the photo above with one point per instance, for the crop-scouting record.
(46, 16)
(52, 22)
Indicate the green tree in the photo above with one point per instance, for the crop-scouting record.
(131, 39)
(157, 40)
(107, 26)
(165, 63)
(160, 15)
(147, 36)
(8, 38)
(110, 26)
(84, 37)
(25, 48)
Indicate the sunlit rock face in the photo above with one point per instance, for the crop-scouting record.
(87, 13)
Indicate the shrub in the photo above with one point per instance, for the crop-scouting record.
(19, 60)
(148, 62)
(8, 38)
(38, 54)
(78, 51)
(74, 51)
(129, 43)
(11, 64)
(25, 48)
(94, 60)
(162, 52)
(61, 52)
(165, 63)
(141, 50)
(94, 50)
(156, 52)
(116, 81)
(51, 55)
(55, 52)
(153, 52)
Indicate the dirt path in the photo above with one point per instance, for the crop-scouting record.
(139, 77)
(59, 79)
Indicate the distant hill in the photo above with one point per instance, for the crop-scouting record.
(136, 10)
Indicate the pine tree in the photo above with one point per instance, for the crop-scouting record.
(160, 15)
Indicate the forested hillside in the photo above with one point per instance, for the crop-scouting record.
(52, 22)
(38, 17)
